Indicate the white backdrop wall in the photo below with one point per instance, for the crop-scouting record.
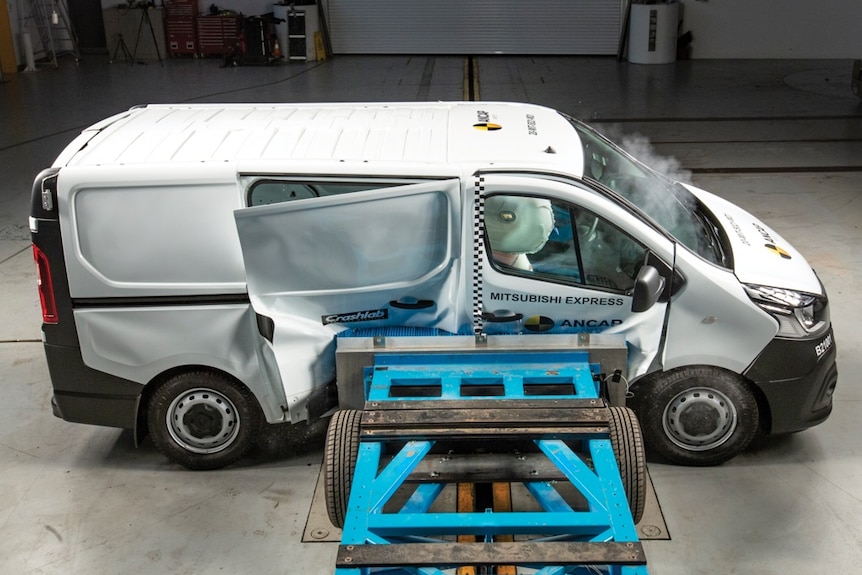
(774, 28)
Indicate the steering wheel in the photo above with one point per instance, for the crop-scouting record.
(587, 232)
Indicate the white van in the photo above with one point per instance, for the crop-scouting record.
(196, 263)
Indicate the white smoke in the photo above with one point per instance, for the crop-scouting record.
(671, 211)
(641, 148)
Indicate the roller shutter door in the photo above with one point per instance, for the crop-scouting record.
(474, 26)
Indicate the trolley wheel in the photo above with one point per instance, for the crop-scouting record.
(339, 462)
(627, 442)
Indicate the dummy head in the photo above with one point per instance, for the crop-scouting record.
(517, 224)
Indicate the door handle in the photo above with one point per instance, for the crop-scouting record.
(502, 316)
(411, 303)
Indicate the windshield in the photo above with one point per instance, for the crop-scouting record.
(667, 203)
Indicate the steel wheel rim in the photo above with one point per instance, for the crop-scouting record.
(700, 419)
(203, 421)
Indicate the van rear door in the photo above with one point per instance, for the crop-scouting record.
(365, 260)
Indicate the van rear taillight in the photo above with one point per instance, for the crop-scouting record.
(46, 287)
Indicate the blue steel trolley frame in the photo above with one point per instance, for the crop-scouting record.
(550, 400)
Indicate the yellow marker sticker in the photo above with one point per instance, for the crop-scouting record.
(487, 126)
(780, 251)
(539, 323)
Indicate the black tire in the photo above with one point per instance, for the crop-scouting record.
(203, 420)
(339, 462)
(628, 445)
(697, 415)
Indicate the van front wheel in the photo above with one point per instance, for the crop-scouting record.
(698, 415)
(203, 420)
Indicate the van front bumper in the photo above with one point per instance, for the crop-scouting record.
(798, 379)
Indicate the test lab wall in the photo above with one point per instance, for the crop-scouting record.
(774, 28)
(736, 28)
(720, 28)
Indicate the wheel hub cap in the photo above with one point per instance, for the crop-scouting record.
(699, 419)
(203, 421)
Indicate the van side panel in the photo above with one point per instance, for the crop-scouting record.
(158, 232)
(139, 343)
(113, 335)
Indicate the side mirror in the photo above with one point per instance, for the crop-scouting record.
(649, 286)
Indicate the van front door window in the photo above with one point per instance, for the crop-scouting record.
(559, 242)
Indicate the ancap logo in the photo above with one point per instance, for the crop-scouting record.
(538, 323)
(488, 126)
(780, 251)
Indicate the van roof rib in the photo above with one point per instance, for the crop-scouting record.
(399, 132)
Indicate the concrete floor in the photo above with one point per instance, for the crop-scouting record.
(781, 138)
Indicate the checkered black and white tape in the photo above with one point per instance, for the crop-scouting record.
(478, 244)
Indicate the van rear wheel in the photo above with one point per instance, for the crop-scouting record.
(697, 415)
(203, 420)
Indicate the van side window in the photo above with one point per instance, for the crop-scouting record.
(610, 258)
(556, 241)
(271, 191)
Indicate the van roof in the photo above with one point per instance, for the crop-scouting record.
(445, 132)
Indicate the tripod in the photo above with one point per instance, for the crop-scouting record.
(145, 17)
(121, 45)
